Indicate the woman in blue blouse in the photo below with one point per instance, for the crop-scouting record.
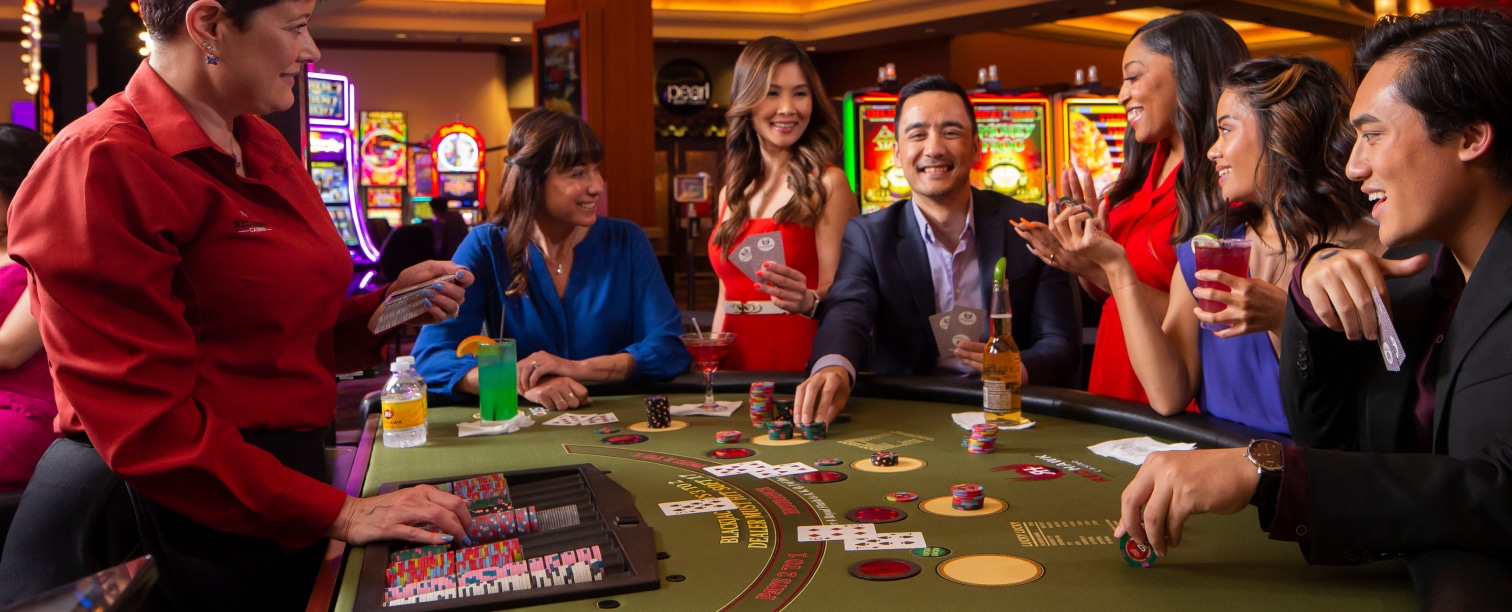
(583, 297)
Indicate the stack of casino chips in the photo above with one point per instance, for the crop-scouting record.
(495, 526)
(658, 412)
(983, 439)
(761, 403)
(814, 431)
(967, 497)
(782, 410)
(493, 554)
(728, 436)
(420, 571)
(780, 430)
(884, 459)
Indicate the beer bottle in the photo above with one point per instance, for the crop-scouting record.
(1001, 398)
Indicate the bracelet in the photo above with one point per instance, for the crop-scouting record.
(813, 312)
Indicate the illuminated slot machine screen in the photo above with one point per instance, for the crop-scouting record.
(422, 175)
(331, 179)
(1015, 158)
(870, 139)
(1090, 130)
(341, 217)
(459, 187)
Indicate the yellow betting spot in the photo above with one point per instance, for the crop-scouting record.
(470, 344)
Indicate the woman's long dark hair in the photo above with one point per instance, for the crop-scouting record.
(1301, 105)
(541, 141)
(1201, 48)
(805, 170)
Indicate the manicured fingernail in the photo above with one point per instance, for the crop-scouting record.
(428, 293)
(766, 264)
(446, 537)
(438, 286)
(461, 274)
(427, 303)
(757, 286)
(466, 541)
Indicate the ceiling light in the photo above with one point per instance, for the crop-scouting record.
(400, 35)
(515, 39)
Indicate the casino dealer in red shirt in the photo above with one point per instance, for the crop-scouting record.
(190, 288)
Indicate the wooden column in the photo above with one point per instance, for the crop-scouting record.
(619, 97)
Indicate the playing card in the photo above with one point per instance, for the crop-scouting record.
(832, 533)
(786, 469)
(756, 250)
(598, 419)
(957, 326)
(566, 419)
(733, 469)
(405, 304)
(697, 506)
(1391, 346)
(901, 540)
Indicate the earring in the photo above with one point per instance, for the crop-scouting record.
(210, 57)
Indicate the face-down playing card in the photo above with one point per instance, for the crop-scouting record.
(756, 250)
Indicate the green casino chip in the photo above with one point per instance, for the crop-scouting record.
(1136, 554)
(932, 551)
(828, 462)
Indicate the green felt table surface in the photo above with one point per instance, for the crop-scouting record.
(737, 560)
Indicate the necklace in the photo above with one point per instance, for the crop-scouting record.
(231, 148)
(559, 265)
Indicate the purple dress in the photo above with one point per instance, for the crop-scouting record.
(27, 406)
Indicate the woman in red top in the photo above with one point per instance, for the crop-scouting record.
(783, 132)
(1167, 186)
(189, 287)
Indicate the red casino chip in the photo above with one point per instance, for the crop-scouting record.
(1136, 554)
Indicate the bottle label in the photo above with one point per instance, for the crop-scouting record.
(996, 397)
(404, 414)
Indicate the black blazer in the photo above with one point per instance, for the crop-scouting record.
(1374, 489)
(883, 285)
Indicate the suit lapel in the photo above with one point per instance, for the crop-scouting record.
(1488, 293)
(990, 234)
(915, 261)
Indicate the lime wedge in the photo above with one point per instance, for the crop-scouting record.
(1205, 238)
(1000, 270)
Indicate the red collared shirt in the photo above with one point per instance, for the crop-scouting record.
(181, 303)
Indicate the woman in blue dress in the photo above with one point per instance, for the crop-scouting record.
(582, 296)
(1283, 140)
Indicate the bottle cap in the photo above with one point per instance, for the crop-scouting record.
(1000, 271)
(406, 359)
(398, 366)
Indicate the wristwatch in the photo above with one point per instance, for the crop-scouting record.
(813, 313)
(1266, 455)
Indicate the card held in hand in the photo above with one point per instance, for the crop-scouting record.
(756, 250)
(405, 304)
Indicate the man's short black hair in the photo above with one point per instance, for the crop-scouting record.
(1458, 72)
(934, 82)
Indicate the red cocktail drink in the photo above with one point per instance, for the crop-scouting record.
(1228, 255)
(709, 351)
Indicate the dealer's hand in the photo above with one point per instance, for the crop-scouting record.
(822, 396)
(787, 286)
(1252, 305)
(393, 516)
(559, 393)
(1338, 283)
(443, 299)
(1174, 485)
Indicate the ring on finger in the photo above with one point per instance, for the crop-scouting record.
(1052, 258)
(571, 395)
(535, 364)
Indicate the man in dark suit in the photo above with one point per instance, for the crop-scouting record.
(1416, 462)
(932, 254)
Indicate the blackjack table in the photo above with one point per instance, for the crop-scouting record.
(1042, 540)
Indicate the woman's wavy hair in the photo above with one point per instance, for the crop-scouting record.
(1201, 48)
(540, 142)
(1301, 106)
(805, 170)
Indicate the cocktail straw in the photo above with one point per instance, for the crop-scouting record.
(698, 329)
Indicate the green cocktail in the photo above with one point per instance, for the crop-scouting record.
(497, 389)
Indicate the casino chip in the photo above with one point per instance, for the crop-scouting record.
(606, 430)
(932, 551)
(828, 462)
(1135, 554)
(902, 496)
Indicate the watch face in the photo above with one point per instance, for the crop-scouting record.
(1266, 454)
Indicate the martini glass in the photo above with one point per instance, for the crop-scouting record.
(708, 350)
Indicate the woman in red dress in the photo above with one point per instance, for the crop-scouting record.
(1167, 186)
(783, 132)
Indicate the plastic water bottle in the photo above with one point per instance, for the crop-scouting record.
(404, 406)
